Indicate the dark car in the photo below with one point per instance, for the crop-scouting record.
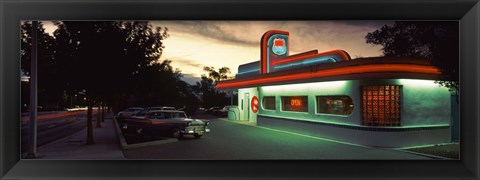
(213, 110)
(167, 123)
(224, 111)
(141, 114)
(129, 112)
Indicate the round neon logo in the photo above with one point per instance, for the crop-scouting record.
(279, 47)
(254, 104)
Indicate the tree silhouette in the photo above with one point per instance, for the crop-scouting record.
(112, 63)
(437, 41)
(159, 84)
(102, 57)
(49, 90)
(207, 87)
(222, 74)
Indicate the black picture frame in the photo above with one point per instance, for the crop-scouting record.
(467, 12)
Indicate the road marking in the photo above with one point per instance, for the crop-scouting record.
(314, 137)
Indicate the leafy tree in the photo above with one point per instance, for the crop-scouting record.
(222, 74)
(159, 84)
(433, 40)
(113, 63)
(102, 57)
(207, 87)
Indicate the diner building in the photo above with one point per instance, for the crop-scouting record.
(378, 101)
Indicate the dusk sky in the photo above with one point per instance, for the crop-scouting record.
(195, 44)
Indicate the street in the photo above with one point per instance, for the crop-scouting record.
(235, 141)
(54, 125)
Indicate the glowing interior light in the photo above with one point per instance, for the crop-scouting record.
(420, 83)
(293, 88)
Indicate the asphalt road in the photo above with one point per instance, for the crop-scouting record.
(54, 126)
(234, 141)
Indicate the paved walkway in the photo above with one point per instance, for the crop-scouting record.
(74, 147)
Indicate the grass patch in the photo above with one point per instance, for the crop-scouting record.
(451, 151)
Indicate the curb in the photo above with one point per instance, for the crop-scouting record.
(126, 146)
(121, 139)
(425, 155)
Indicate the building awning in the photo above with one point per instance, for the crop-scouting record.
(362, 68)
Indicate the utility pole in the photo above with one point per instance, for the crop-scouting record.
(32, 130)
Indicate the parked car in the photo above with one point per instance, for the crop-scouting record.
(224, 111)
(129, 112)
(141, 114)
(167, 123)
(212, 110)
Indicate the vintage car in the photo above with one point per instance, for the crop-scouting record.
(166, 123)
(141, 114)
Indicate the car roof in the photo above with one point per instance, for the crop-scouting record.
(163, 107)
(154, 111)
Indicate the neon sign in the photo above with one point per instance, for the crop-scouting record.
(279, 47)
(369, 68)
(296, 103)
(254, 104)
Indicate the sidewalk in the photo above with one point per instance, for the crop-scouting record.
(106, 145)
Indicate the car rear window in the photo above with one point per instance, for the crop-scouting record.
(158, 115)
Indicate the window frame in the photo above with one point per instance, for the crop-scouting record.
(282, 106)
(397, 122)
(274, 100)
(338, 115)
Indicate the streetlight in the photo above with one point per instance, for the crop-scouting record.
(32, 130)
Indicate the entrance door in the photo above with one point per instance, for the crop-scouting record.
(246, 106)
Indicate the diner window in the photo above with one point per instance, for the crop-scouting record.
(268, 102)
(381, 105)
(340, 105)
(295, 103)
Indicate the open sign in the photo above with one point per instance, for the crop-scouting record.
(296, 103)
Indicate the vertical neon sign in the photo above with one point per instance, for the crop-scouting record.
(274, 45)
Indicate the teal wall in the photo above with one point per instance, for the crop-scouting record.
(312, 90)
(424, 103)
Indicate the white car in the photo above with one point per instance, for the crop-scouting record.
(127, 113)
(142, 113)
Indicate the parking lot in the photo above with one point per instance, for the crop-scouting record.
(230, 140)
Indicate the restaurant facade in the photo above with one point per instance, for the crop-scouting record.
(378, 101)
